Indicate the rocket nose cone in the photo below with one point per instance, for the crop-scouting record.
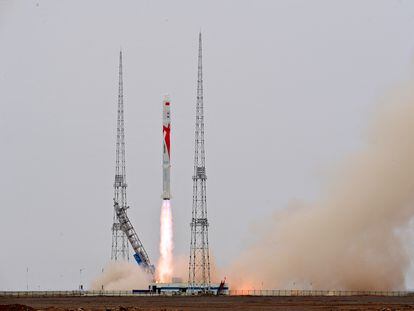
(166, 99)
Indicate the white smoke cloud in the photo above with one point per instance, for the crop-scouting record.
(121, 276)
(352, 237)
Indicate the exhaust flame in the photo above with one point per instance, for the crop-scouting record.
(165, 263)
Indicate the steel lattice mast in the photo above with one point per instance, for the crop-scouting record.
(119, 239)
(199, 265)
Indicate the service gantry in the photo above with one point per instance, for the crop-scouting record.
(119, 249)
(199, 263)
(122, 228)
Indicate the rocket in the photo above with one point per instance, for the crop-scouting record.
(166, 154)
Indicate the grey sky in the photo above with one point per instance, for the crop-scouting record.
(289, 88)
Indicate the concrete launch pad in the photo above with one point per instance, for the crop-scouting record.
(182, 288)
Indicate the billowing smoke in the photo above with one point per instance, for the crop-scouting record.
(180, 267)
(165, 263)
(354, 237)
(121, 276)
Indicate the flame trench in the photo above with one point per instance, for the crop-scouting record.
(165, 263)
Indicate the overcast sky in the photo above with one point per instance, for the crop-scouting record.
(289, 88)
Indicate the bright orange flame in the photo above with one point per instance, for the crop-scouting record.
(165, 263)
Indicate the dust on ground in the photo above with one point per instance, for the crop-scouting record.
(188, 303)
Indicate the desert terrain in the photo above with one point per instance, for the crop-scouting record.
(185, 303)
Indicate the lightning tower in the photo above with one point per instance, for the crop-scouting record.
(199, 264)
(119, 239)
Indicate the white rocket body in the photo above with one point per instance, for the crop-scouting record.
(166, 154)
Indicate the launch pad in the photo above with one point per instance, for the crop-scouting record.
(180, 288)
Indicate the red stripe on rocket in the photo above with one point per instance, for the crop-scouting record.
(166, 131)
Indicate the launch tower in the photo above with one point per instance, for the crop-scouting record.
(119, 239)
(199, 264)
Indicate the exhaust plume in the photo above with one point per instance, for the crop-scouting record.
(121, 276)
(165, 263)
(352, 238)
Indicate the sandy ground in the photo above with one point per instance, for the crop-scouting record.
(208, 303)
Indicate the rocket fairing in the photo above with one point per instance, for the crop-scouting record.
(166, 155)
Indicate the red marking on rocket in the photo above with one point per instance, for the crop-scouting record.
(166, 157)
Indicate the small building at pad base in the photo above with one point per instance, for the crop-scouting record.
(183, 289)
